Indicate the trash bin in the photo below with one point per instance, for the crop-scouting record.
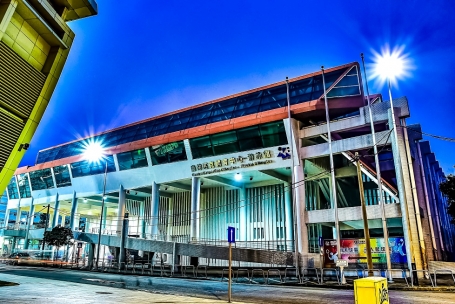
(371, 290)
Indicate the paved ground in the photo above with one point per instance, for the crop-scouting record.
(50, 285)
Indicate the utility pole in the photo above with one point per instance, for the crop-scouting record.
(45, 226)
(364, 216)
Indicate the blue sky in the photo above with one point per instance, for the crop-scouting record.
(139, 58)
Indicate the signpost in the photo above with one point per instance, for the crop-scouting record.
(231, 239)
(342, 264)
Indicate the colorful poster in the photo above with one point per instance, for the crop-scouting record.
(354, 250)
(330, 253)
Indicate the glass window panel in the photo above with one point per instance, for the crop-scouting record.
(62, 176)
(221, 117)
(249, 101)
(344, 91)
(273, 95)
(247, 111)
(197, 123)
(353, 71)
(201, 147)
(41, 179)
(224, 107)
(168, 153)
(85, 168)
(24, 185)
(273, 105)
(348, 81)
(273, 134)
(132, 159)
(225, 142)
(249, 138)
(13, 193)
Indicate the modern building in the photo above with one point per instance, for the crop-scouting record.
(35, 41)
(244, 161)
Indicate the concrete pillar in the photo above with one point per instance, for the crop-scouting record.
(154, 207)
(399, 157)
(124, 235)
(142, 220)
(56, 211)
(7, 212)
(91, 254)
(243, 219)
(301, 233)
(103, 225)
(29, 223)
(121, 209)
(288, 210)
(74, 202)
(195, 206)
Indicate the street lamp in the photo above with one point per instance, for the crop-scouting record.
(390, 66)
(94, 153)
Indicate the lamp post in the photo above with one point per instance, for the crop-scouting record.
(378, 176)
(94, 152)
(388, 67)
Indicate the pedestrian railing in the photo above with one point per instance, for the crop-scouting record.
(442, 271)
(203, 269)
(273, 271)
(259, 270)
(243, 270)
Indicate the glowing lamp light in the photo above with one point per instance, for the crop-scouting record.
(93, 152)
(238, 177)
(391, 65)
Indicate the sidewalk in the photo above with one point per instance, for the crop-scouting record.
(39, 290)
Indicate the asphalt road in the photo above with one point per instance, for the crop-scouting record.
(212, 289)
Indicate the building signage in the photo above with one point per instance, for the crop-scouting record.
(162, 150)
(233, 163)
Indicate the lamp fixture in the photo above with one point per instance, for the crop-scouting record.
(238, 177)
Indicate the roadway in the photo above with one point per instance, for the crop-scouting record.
(73, 282)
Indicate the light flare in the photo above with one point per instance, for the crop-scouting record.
(93, 151)
(390, 65)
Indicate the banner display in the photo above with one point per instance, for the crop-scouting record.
(354, 251)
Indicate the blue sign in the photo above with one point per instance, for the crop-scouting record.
(231, 234)
(321, 241)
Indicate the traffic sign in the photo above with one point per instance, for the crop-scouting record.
(79, 245)
(231, 234)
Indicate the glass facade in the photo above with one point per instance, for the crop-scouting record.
(349, 85)
(168, 153)
(62, 176)
(24, 185)
(262, 136)
(300, 91)
(41, 179)
(13, 193)
(132, 159)
(85, 167)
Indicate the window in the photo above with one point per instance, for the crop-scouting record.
(273, 134)
(224, 143)
(168, 153)
(41, 179)
(132, 159)
(256, 137)
(85, 168)
(13, 193)
(347, 86)
(62, 176)
(24, 185)
(201, 147)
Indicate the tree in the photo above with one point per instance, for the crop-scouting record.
(59, 236)
(448, 190)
